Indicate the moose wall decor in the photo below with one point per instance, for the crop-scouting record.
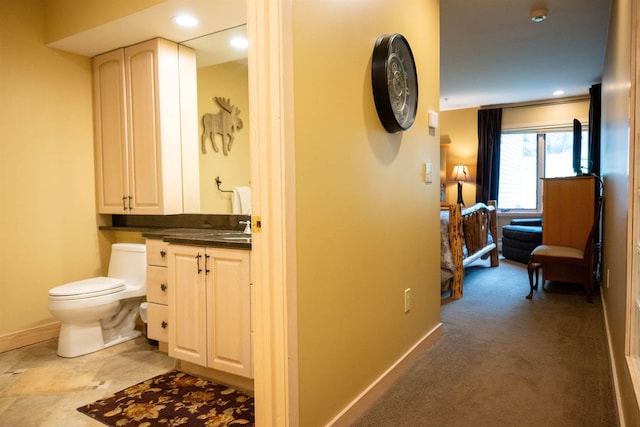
(223, 123)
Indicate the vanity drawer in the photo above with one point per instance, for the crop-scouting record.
(157, 318)
(157, 284)
(157, 252)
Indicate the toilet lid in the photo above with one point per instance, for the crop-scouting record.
(88, 288)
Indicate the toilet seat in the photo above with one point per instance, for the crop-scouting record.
(88, 288)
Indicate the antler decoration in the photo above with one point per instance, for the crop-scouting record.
(224, 103)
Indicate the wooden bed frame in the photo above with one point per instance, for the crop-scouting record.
(476, 222)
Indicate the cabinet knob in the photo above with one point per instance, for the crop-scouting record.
(163, 287)
(163, 254)
(164, 325)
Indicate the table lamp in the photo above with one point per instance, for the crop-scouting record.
(460, 174)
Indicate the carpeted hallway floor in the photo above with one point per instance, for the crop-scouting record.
(507, 361)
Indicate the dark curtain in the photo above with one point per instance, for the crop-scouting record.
(488, 165)
(594, 128)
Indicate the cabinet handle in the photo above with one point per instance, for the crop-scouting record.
(163, 325)
(124, 203)
(206, 264)
(130, 198)
(163, 287)
(198, 262)
(163, 254)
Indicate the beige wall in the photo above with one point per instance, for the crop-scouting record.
(64, 18)
(48, 223)
(367, 226)
(228, 80)
(616, 112)
(461, 128)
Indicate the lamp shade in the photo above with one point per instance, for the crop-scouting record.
(460, 173)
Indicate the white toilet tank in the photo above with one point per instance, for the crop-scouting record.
(129, 263)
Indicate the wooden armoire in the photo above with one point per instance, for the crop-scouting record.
(568, 210)
(568, 215)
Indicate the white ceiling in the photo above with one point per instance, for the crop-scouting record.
(492, 53)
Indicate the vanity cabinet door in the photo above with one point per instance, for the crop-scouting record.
(229, 344)
(187, 301)
(138, 129)
(210, 308)
(110, 132)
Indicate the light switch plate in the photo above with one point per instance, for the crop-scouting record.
(428, 172)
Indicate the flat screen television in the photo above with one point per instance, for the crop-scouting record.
(577, 146)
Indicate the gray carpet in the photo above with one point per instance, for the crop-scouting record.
(507, 361)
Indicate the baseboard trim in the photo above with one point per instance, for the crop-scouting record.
(614, 371)
(366, 399)
(29, 336)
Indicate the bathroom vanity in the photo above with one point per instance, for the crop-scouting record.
(147, 145)
(199, 298)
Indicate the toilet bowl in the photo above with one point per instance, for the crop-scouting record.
(100, 312)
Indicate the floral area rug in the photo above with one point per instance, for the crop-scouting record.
(174, 399)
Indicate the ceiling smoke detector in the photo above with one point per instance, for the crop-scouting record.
(538, 15)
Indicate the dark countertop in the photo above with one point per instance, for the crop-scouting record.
(201, 237)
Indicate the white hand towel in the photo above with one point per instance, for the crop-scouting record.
(241, 200)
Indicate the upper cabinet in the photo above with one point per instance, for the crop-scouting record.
(144, 122)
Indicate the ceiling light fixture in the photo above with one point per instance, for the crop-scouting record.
(239, 43)
(185, 21)
(558, 93)
(538, 15)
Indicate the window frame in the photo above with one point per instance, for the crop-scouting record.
(541, 132)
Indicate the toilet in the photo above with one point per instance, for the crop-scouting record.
(100, 312)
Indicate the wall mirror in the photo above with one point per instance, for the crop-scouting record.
(222, 72)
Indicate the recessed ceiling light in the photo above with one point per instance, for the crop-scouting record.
(239, 42)
(538, 15)
(558, 93)
(185, 21)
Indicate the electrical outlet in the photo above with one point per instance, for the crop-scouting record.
(407, 300)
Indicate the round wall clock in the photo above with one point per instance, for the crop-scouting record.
(395, 82)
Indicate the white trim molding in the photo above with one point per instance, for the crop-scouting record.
(29, 336)
(273, 252)
(381, 385)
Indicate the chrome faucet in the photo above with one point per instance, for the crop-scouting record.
(247, 228)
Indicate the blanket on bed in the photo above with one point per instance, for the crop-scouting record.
(447, 263)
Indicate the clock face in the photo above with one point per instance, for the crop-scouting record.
(395, 82)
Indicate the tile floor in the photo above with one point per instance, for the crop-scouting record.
(40, 389)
